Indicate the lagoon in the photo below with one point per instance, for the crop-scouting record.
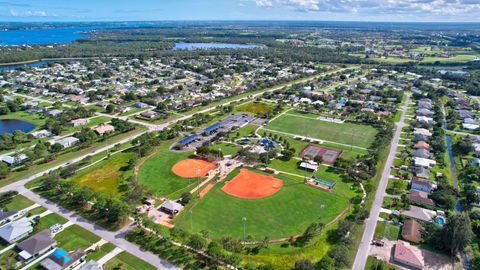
(10, 125)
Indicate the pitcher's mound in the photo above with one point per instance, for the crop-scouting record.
(251, 185)
(190, 168)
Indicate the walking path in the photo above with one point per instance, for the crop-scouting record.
(109, 256)
(363, 249)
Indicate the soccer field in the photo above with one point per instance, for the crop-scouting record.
(288, 212)
(306, 125)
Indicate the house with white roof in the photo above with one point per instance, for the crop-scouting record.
(16, 230)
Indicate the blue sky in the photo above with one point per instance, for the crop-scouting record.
(342, 10)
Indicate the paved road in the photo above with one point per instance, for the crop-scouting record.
(363, 249)
(116, 238)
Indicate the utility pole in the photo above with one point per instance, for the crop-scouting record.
(244, 227)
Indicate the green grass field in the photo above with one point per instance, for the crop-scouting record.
(100, 252)
(126, 261)
(227, 149)
(18, 203)
(287, 212)
(156, 173)
(107, 175)
(346, 133)
(75, 237)
(255, 108)
(48, 221)
(387, 230)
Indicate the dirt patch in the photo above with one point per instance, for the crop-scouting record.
(191, 168)
(205, 190)
(251, 185)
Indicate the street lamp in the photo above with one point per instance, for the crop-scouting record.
(191, 222)
(244, 219)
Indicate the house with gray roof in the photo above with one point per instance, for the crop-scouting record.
(422, 153)
(171, 207)
(7, 216)
(36, 245)
(16, 230)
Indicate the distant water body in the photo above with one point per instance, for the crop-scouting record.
(206, 46)
(10, 125)
(43, 35)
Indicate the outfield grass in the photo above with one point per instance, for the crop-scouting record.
(156, 172)
(287, 212)
(346, 133)
(75, 237)
(107, 175)
(126, 261)
(18, 203)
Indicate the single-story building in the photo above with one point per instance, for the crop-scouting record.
(60, 259)
(422, 145)
(424, 162)
(16, 230)
(79, 122)
(422, 153)
(66, 142)
(7, 216)
(412, 231)
(422, 131)
(408, 255)
(420, 197)
(36, 245)
(14, 160)
(53, 112)
(41, 134)
(140, 105)
(149, 114)
(104, 128)
(171, 207)
(91, 265)
(422, 172)
(309, 165)
(422, 184)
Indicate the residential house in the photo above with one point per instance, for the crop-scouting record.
(422, 172)
(66, 142)
(422, 145)
(16, 230)
(422, 131)
(60, 259)
(41, 134)
(171, 207)
(419, 138)
(80, 122)
(7, 216)
(103, 129)
(91, 265)
(422, 153)
(14, 160)
(53, 112)
(123, 109)
(149, 114)
(422, 184)
(36, 245)
(408, 255)
(424, 112)
(140, 105)
(420, 197)
(425, 120)
(423, 162)
(412, 231)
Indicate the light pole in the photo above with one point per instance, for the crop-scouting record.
(244, 226)
(191, 222)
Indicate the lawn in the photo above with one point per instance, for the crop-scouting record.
(126, 261)
(375, 264)
(243, 132)
(36, 211)
(75, 237)
(18, 203)
(287, 212)
(156, 172)
(100, 252)
(48, 221)
(255, 108)
(387, 230)
(227, 149)
(107, 175)
(346, 133)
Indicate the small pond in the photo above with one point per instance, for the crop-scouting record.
(214, 45)
(10, 125)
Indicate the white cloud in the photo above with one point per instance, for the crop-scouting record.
(379, 7)
(29, 13)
